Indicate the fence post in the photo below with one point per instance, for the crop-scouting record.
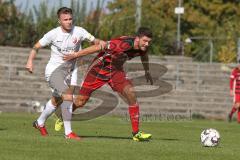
(238, 51)
(177, 76)
(211, 51)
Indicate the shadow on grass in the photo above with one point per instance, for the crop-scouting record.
(100, 137)
(105, 137)
(115, 137)
(3, 129)
(168, 139)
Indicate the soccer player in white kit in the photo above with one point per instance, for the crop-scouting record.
(63, 40)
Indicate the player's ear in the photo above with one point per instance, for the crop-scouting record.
(137, 38)
(58, 21)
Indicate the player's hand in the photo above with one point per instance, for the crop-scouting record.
(103, 44)
(29, 67)
(231, 93)
(148, 77)
(70, 56)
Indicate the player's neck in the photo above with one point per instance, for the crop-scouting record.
(136, 41)
(66, 30)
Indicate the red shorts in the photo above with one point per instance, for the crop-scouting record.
(236, 98)
(116, 80)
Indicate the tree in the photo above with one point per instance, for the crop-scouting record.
(158, 15)
(217, 19)
(16, 27)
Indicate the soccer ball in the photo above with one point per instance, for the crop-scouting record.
(210, 137)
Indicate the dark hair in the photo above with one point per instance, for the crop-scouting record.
(64, 10)
(144, 31)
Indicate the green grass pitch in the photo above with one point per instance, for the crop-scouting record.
(107, 138)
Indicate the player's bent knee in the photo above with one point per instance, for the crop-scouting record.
(67, 97)
(56, 101)
(130, 96)
(80, 101)
(237, 105)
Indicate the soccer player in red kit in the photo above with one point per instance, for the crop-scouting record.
(107, 67)
(235, 92)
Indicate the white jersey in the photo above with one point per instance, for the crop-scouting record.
(63, 43)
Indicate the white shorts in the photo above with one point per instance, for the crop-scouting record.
(59, 78)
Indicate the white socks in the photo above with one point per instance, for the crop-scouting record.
(48, 110)
(66, 107)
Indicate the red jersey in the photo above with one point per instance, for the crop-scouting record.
(235, 80)
(112, 58)
(107, 67)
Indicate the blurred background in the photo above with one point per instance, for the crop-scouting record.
(198, 41)
(184, 27)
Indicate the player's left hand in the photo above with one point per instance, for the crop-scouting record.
(148, 77)
(70, 56)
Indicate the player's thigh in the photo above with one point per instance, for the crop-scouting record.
(59, 83)
(90, 84)
(237, 100)
(70, 92)
(124, 87)
(129, 94)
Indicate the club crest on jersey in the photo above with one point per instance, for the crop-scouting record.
(75, 40)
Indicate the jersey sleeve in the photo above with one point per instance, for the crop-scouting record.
(119, 45)
(86, 36)
(47, 38)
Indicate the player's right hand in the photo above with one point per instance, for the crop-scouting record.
(231, 93)
(29, 67)
(70, 56)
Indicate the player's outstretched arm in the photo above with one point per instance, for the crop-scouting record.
(145, 62)
(89, 50)
(98, 41)
(31, 57)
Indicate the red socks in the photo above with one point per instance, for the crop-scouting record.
(134, 117)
